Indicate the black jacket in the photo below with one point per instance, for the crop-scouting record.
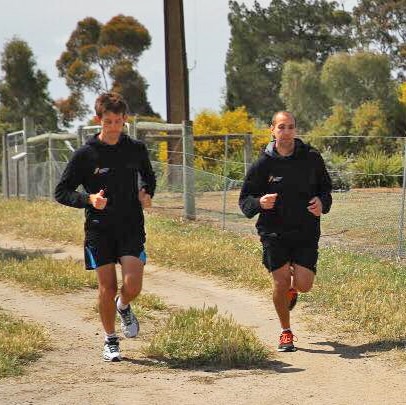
(112, 168)
(297, 179)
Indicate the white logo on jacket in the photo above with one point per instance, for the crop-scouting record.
(101, 171)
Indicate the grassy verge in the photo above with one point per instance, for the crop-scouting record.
(20, 343)
(366, 294)
(208, 251)
(43, 273)
(196, 337)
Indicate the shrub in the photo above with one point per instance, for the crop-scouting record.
(377, 170)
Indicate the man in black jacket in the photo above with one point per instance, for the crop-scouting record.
(289, 187)
(118, 182)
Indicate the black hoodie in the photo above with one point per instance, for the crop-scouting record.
(297, 179)
(112, 168)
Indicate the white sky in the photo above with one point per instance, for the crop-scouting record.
(47, 24)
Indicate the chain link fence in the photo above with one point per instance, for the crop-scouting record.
(363, 219)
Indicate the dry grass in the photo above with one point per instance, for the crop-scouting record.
(20, 343)
(43, 273)
(196, 337)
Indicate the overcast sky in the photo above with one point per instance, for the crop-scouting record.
(47, 24)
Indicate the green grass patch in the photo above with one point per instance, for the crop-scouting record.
(43, 273)
(366, 294)
(365, 219)
(20, 343)
(196, 337)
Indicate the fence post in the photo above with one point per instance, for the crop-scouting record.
(188, 171)
(133, 127)
(29, 131)
(51, 167)
(402, 206)
(6, 179)
(247, 152)
(225, 182)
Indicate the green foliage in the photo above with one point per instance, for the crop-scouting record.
(377, 170)
(302, 93)
(347, 132)
(126, 80)
(333, 132)
(351, 80)
(337, 167)
(23, 89)
(101, 57)
(196, 337)
(381, 24)
(263, 39)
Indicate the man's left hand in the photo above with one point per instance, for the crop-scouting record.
(145, 199)
(315, 206)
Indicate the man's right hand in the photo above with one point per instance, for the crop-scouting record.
(267, 201)
(98, 200)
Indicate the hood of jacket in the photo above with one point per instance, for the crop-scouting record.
(300, 147)
(95, 141)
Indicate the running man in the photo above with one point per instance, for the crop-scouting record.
(289, 187)
(118, 182)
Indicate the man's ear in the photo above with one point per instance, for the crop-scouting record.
(97, 120)
(125, 117)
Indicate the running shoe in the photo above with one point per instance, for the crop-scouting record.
(286, 342)
(111, 351)
(129, 323)
(292, 298)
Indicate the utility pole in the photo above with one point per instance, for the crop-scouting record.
(177, 82)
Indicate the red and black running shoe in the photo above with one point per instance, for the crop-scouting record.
(286, 342)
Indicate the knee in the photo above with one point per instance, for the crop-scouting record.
(304, 287)
(281, 286)
(107, 292)
(132, 286)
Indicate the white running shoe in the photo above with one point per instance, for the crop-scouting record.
(129, 323)
(111, 351)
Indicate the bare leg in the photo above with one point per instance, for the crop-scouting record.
(303, 278)
(281, 285)
(107, 291)
(132, 269)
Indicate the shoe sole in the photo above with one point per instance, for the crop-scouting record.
(113, 360)
(287, 349)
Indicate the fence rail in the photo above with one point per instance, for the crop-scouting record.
(371, 220)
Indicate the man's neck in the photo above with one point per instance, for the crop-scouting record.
(285, 150)
(109, 139)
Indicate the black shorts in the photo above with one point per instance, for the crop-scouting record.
(277, 253)
(105, 245)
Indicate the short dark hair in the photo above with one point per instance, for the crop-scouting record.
(112, 102)
(272, 122)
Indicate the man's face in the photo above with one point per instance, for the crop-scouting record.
(284, 128)
(112, 124)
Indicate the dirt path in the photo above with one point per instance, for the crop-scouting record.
(321, 370)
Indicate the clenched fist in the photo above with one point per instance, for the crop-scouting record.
(98, 200)
(267, 201)
(145, 199)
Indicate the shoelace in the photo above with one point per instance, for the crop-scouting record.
(112, 345)
(127, 315)
(287, 338)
